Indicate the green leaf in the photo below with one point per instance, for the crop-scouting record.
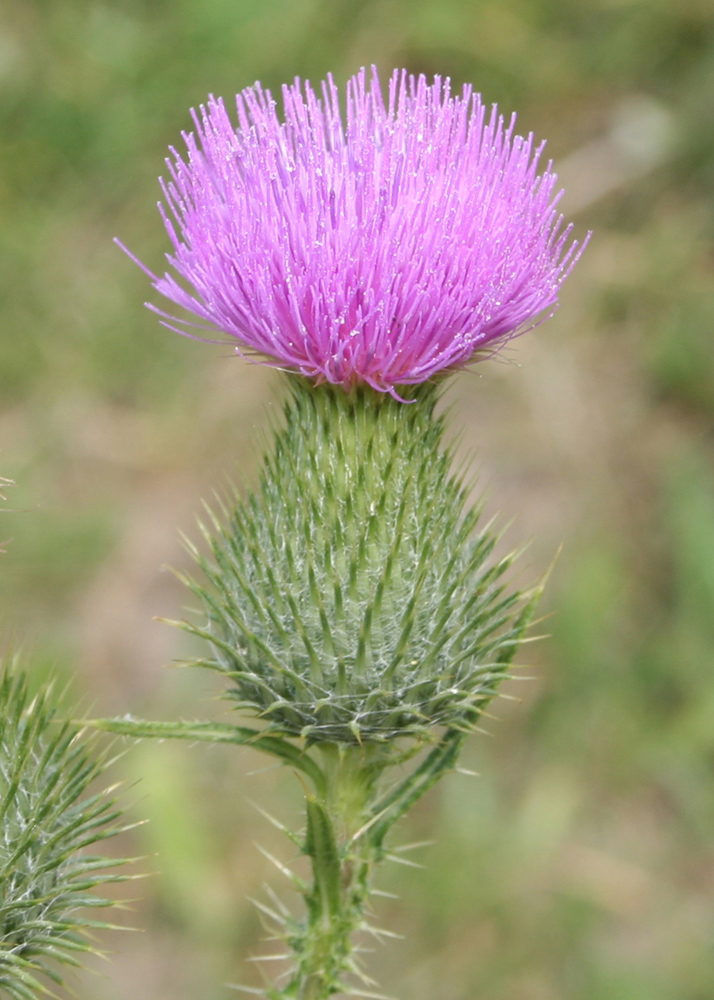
(321, 846)
(400, 799)
(215, 732)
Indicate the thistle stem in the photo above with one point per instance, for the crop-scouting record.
(342, 859)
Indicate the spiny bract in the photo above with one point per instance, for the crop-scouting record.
(349, 599)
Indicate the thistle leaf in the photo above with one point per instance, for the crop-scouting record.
(215, 732)
(400, 799)
(320, 845)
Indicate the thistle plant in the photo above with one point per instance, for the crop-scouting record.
(352, 600)
(50, 821)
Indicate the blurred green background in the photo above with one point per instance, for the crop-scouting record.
(580, 865)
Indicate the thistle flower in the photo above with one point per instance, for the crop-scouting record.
(402, 244)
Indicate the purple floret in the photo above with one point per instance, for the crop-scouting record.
(380, 248)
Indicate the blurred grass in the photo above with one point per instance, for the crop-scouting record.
(580, 866)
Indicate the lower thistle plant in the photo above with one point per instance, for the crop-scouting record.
(352, 600)
(50, 821)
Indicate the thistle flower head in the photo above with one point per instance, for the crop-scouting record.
(381, 247)
(48, 825)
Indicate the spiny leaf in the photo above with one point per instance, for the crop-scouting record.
(215, 732)
(320, 845)
(397, 802)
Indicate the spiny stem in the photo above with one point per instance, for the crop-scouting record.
(346, 826)
(342, 863)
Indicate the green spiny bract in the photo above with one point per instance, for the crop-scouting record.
(47, 823)
(350, 596)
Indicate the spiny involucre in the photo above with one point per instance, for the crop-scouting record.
(381, 247)
(348, 600)
(48, 823)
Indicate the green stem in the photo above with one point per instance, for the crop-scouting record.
(343, 857)
(346, 825)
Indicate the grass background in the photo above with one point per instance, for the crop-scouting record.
(580, 865)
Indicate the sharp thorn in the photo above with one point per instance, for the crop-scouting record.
(276, 822)
(368, 996)
(402, 861)
(367, 825)
(380, 932)
(267, 911)
(262, 770)
(269, 958)
(509, 697)
(295, 879)
(278, 901)
(412, 847)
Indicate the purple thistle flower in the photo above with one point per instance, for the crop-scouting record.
(381, 251)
